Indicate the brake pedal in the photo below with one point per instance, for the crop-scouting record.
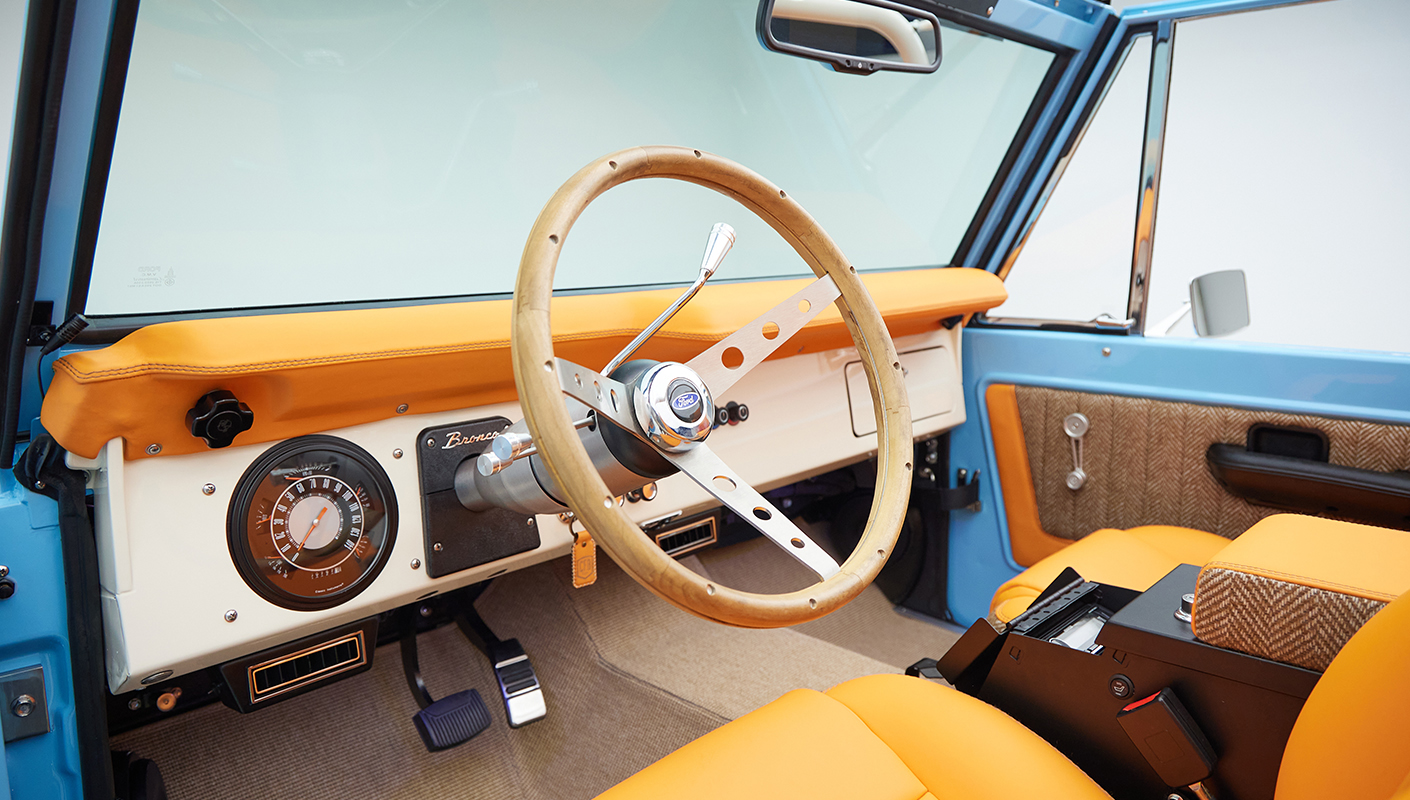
(518, 685)
(452, 720)
(449, 721)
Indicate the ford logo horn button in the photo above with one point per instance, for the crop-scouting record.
(685, 400)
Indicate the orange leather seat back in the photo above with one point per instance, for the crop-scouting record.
(1352, 739)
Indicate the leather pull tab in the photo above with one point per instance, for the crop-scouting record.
(584, 559)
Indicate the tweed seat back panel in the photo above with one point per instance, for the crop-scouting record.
(1145, 461)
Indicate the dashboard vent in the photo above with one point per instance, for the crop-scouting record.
(292, 671)
(688, 537)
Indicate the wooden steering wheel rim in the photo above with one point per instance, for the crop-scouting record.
(567, 461)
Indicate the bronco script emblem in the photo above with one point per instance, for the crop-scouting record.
(455, 439)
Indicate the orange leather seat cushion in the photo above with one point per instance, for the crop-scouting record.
(883, 736)
(1133, 559)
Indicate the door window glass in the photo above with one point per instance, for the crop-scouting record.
(1076, 262)
(1285, 157)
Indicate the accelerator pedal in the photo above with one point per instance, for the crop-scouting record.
(518, 684)
(445, 723)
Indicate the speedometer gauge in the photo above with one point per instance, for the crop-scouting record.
(312, 523)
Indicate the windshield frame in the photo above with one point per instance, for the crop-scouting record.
(110, 328)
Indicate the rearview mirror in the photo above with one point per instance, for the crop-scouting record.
(855, 36)
(1219, 302)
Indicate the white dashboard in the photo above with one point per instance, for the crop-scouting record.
(174, 602)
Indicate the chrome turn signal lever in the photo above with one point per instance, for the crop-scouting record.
(716, 248)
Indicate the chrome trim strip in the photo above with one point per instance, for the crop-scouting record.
(1157, 103)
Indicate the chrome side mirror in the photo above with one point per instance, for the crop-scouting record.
(855, 36)
(1219, 302)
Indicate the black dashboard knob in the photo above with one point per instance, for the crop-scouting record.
(218, 418)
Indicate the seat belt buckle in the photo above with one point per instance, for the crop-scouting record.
(1172, 743)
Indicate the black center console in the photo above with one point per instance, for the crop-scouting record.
(1086, 653)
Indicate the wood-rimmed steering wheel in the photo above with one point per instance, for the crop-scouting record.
(543, 380)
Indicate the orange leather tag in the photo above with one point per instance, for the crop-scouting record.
(584, 559)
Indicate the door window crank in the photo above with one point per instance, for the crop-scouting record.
(1075, 425)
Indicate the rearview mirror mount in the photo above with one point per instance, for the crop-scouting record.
(854, 36)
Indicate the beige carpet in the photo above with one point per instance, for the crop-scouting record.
(627, 680)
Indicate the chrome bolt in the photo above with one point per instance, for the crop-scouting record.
(437, 547)
(135, 704)
(529, 522)
(1106, 351)
(40, 485)
(430, 442)
(397, 453)
(208, 489)
(416, 563)
(4, 570)
(401, 409)
(153, 449)
(990, 12)
(425, 611)
(23, 706)
(231, 615)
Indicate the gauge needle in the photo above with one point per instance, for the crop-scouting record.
(316, 520)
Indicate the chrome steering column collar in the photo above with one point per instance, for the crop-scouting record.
(673, 407)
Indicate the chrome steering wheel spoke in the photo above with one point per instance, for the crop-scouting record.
(758, 339)
(607, 397)
(711, 472)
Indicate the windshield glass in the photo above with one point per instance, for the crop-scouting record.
(273, 153)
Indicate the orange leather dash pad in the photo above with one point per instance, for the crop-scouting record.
(309, 372)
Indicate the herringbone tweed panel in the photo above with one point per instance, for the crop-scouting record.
(1274, 619)
(1145, 460)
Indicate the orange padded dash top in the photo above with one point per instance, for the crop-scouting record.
(309, 372)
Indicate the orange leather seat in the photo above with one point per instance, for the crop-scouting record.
(896, 738)
(883, 736)
(1133, 559)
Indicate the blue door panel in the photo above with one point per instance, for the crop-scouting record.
(1336, 383)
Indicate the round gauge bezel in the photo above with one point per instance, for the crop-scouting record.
(237, 517)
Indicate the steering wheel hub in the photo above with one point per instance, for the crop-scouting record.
(673, 406)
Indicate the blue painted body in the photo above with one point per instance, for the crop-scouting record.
(33, 627)
(1336, 383)
(34, 630)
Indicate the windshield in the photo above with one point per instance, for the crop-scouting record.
(272, 153)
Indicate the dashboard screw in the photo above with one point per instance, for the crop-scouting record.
(425, 611)
(416, 563)
(208, 489)
(4, 570)
(23, 706)
(430, 442)
(397, 453)
(153, 449)
(437, 547)
(529, 522)
(401, 409)
(231, 615)
(40, 485)
(1106, 351)
(135, 704)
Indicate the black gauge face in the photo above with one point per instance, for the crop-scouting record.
(312, 523)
